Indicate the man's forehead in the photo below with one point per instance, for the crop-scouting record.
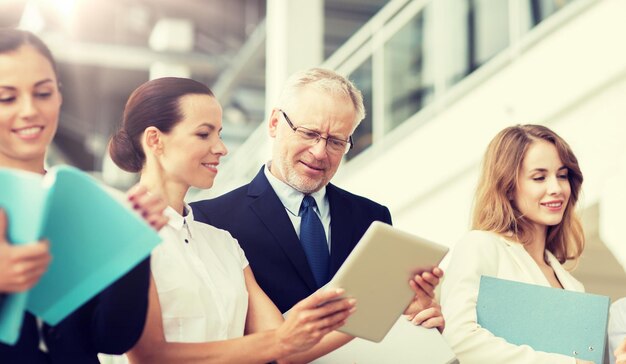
(312, 97)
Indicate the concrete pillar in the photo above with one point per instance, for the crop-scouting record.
(171, 35)
(295, 41)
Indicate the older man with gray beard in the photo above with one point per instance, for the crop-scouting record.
(295, 227)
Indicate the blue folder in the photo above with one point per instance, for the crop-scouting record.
(547, 319)
(94, 240)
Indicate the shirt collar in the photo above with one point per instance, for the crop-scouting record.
(175, 219)
(292, 198)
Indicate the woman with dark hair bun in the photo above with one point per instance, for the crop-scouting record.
(153, 104)
(112, 321)
(205, 304)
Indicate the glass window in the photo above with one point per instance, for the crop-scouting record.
(408, 72)
(478, 30)
(539, 10)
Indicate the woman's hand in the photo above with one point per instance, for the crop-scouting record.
(424, 309)
(150, 206)
(620, 353)
(21, 266)
(312, 318)
(429, 318)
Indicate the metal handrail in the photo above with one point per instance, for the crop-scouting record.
(245, 162)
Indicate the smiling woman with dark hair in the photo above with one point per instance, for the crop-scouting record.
(205, 304)
(112, 321)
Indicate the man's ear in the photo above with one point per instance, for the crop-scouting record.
(152, 140)
(273, 122)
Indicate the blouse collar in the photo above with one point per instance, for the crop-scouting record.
(176, 220)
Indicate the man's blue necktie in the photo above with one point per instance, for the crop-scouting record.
(313, 240)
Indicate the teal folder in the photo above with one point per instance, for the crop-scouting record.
(547, 319)
(94, 240)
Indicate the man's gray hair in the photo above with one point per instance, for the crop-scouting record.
(325, 80)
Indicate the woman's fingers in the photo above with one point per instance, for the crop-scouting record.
(427, 281)
(35, 252)
(429, 318)
(21, 266)
(136, 191)
(312, 318)
(150, 206)
(620, 353)
(326, 314)
(320, 297)
(338, 311)
(421, 288)
(434, 322)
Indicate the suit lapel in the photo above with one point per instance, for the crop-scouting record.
(534, 275)
(340, 228)
(567, 281)
(271, 212)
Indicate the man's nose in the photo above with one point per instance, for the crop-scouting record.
(319, 149)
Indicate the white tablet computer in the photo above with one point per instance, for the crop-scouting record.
(377, 274)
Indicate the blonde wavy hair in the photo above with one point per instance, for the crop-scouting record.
(493, 208)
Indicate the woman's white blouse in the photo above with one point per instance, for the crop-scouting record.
(485, 253)
(198, 270)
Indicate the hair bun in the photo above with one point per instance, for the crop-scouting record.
(124, 153)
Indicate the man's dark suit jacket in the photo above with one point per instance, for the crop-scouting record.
(111, 323)
(254, 215)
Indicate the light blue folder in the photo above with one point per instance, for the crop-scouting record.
(547, 319)
(21, 196)
(94, 240)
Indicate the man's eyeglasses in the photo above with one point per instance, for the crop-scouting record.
(312, 137)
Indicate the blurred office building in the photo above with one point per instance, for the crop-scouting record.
(440, 78)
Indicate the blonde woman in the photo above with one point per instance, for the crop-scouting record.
(524, 228)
